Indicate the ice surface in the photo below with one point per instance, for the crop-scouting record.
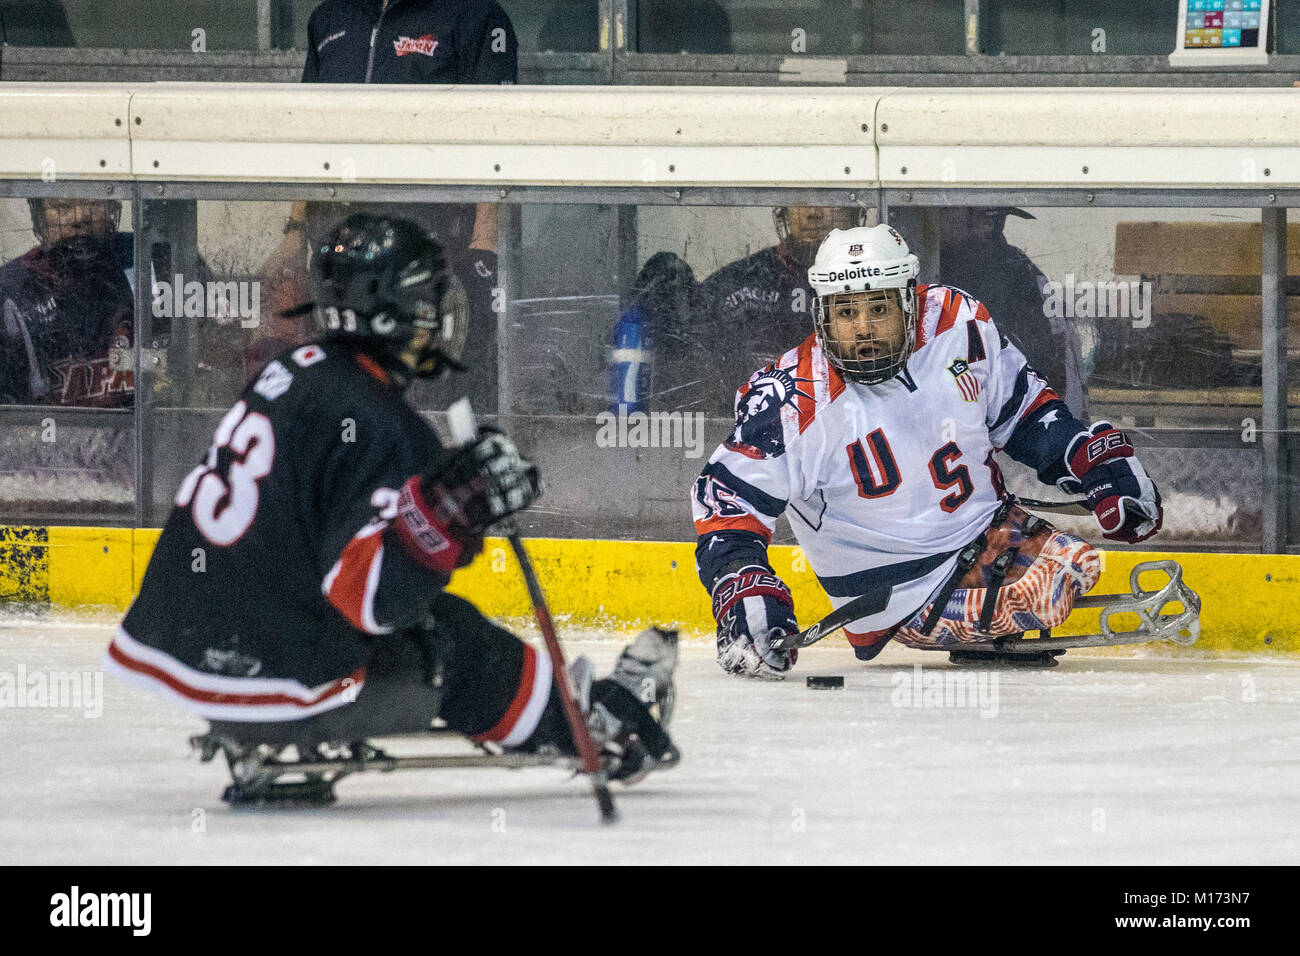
(1141, 758)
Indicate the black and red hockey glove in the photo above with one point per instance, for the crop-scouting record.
(1123, 498)
(442, 515)
(752, 605)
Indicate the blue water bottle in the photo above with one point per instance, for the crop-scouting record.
(630, 362)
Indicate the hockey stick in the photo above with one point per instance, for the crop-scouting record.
(460, 419)
(872, 602)
(1079, 506)
(581, 735)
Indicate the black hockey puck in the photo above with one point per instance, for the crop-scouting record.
(824, 683)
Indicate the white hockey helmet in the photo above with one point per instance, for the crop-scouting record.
(867, 263)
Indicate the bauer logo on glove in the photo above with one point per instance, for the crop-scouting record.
(1123, 498)
(751, 605)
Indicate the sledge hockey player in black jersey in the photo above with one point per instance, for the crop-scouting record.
(296, 594)
(875, 436)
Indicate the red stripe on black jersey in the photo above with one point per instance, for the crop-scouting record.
(373, 367)
(351, 584)
(227, 698)
(521, 717)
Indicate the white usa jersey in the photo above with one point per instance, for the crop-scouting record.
(882, 484)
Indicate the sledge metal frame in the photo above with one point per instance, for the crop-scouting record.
(257, 770)
(1183, 627)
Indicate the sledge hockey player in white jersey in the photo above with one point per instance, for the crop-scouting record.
(875, 436)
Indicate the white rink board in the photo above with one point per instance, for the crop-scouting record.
(1110, 760)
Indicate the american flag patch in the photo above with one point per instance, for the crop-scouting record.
(967, 383)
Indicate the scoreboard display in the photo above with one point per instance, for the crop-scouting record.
(1215, 31)
(1222, 23)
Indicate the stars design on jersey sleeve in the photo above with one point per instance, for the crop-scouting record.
(758, 432)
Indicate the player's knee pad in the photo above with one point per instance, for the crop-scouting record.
(1041, 595)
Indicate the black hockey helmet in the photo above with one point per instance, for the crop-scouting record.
(385, 279)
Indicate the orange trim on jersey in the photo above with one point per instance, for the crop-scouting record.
(834, 382)
(348, 589)
(869, 639)
(952, 304)
(742, 523)
(982, 313)
(501, 730)
(373, 367)
(922, 291)
(807, 406)
(225, 697)
(740, 448)
(1045, 396)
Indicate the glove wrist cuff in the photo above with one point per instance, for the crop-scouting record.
(424, 536)
(748, 582)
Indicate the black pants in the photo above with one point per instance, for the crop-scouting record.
(455, 664)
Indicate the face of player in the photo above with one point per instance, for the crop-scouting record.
(810, 224)
(867, 328)
(86, 218)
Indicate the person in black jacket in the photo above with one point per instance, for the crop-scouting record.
(329, 520)
(977, 258)
(409, 41)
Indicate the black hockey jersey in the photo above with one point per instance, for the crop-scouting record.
(278, 560)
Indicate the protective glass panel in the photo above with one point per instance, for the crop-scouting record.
(1148, 318)
(608, 340)
(557, 26)
(226, 275)
(818, 28)
(1060, 27)
(1286, 28)
(134, 24)
(632, 330)
(67, 448)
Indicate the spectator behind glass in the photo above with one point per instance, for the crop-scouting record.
(976, 258)
(740, 318)
(405, 41)
(64, 305)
